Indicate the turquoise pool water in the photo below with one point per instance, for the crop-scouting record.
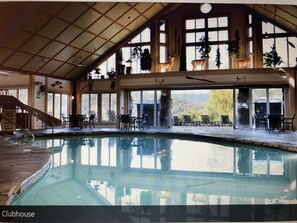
(152, 170)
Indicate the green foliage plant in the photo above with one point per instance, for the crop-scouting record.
(204, 48)
(136, 52)
(220, 103)
(272, 59)
(233, 45)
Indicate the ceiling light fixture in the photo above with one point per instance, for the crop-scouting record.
(205, 8)
(80, 64)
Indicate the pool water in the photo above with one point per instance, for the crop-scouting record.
(154, 170)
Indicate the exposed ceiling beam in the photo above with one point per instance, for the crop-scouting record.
(26, 72)
(117, 46)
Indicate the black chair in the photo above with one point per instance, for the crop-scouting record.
(145, 121)
(290, 122)
(126, 122)
(260, 120)
(275, 122)
(75, 121)
(92, 120)
(65, 120)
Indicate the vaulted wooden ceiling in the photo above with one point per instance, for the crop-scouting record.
(53, 38)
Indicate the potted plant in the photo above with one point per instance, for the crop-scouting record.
(272, 59)
(233, 47)
(111, 74)
(146, 60)
(136, 52)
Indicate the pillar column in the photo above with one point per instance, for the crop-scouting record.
(243, 104)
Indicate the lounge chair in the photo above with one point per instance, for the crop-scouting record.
(225, 121)
(188, 120)
(177, 121)
(205, 121)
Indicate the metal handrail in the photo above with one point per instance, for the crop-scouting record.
(26, 130)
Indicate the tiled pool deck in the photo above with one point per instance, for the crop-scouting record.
(21, 164)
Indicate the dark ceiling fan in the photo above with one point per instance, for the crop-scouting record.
(199, 79)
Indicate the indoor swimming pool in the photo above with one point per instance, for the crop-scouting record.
(149, 170)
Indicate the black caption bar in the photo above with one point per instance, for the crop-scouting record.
(211, 213)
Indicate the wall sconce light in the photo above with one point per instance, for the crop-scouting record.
(72, 97)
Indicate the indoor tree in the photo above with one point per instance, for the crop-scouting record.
(272, 59)
(218, 58)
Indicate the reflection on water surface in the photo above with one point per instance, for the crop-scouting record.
(142, 170)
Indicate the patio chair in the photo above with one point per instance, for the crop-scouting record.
(142, 122)
(126, 122)
(75, 121)
(290, 122)
(188, 120)
(91, 120)
(205, 121)
(275, 122)
(111, 115)
(261, 120)
(65, 120)
(145, 121)
(225, 121)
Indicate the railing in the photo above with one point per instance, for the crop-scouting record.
(2, 117)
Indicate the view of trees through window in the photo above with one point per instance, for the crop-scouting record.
(202, 102)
